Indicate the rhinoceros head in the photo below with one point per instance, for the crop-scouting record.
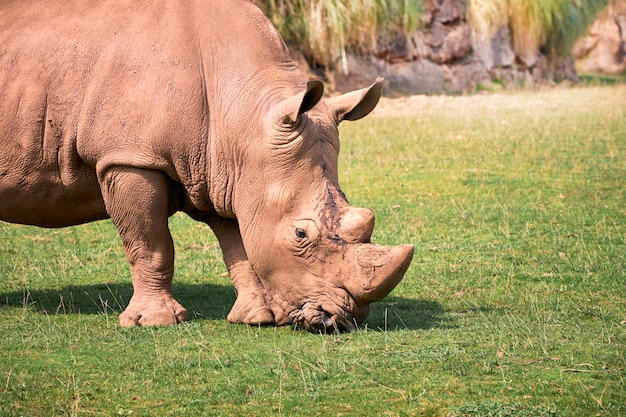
(310, 249)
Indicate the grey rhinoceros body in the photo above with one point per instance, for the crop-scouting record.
(134, 110)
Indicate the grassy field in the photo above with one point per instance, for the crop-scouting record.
(515, 303)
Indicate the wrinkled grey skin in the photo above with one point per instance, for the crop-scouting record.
(133, 110)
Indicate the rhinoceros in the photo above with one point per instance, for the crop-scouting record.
(136, 109)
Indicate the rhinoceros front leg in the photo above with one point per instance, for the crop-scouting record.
(252, 305)
(138, 203)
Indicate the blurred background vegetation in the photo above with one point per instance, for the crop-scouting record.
(325, 30)
(550, 25)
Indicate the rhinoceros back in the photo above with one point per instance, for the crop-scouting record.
(86, 85)
(43, 75)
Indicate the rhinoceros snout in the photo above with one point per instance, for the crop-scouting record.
(335, 324)
(374, 273)
(325, 324)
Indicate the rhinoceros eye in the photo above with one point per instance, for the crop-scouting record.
(303, 232)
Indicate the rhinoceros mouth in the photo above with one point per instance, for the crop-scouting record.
(329, 309)
(316, 319)
(326, 324)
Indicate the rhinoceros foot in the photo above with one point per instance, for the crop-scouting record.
(248, 310)
(252, 309)
(154, 311)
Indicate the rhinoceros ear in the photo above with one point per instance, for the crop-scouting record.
(290, 110)
(356, 104)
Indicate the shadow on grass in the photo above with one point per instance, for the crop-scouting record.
(203, 301)
(210, 302)
(397, 313)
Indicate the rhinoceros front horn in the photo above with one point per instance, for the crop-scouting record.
(378, 270)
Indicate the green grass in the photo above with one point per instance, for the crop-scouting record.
(601, 79)
(515, 303)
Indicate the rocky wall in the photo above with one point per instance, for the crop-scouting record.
(445, 56)
(603, 49)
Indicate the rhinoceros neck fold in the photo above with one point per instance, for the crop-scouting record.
(241, 76)
(221, 183)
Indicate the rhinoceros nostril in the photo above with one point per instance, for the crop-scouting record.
(327, 325)
(317, 327)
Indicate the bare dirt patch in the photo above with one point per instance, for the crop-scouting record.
(574, 100)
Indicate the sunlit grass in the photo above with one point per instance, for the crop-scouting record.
(514, 303)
